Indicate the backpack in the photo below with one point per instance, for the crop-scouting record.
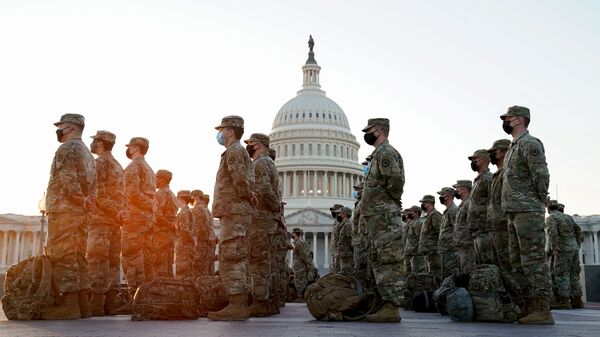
(27, 288)
(491, 301)
(212, 294)
(165, 299)
(337, 297)
(414, 284)
(423, 302)
(440, 295)
(460, 305)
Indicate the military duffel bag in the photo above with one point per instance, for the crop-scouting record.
(414, 284)
(165, 299)
(27, 288)
(337, 297)
(460, 305)
(491, 302)
(212, 294)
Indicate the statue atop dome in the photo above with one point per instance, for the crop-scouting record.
(311, 43)
(311, 54)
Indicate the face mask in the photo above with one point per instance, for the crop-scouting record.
(128, 153)
(410, 217)
(60, 133)
(370, 138)
(250, 149)
(355, 194)
(493, 158)
(507, 127)
(94, 147)
(423, 207)
(339, 218)
(404, 218)
(333, 214)
(442, 199)
(365, 169)
(457, 195)
(220, 139)
(474, 166)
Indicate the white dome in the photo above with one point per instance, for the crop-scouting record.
(311, 107)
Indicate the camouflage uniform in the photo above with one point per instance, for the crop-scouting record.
(282, 246)
(185, 244)
(562, 234)
(163, 237)
(302, 265)
(209, 259)
(199, 241)
(448, 258)
(335, 263)
(414, 261)
(345, 253)
(463, 240)
(72, 182)
(428, 241)
(140, 187)
(360, 243)
(524, 191)
(477, 214)
(381, 208)
(104, 237)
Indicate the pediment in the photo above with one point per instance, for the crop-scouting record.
(307, 217)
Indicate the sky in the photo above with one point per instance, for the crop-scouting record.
(441, 71)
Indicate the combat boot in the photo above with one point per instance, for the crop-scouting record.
(577, 302)
(67, 308)
(387, 314)
(539, 314)
(237, 310)
(110, 303)
(259, 309)
(83, 298)
(127, 309)
(274, 307)
(562, 303)
(97, 304)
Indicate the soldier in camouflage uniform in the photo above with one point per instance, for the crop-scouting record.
(564, 245)
(282, 246)
(335, 263)
(345, 253)
(212, 238)
(463, 241)
(200, 235)
(185, 244)
(104, 229)
(576, 300)
(302, 263)
(164, 231)
(140, 187)
(448, 258)
(70, 195)
(429, 236)
(477, 211)
(233, 204)
(264, 225)
(497, 222)
(381, 208)
(524, 192)
(413, 260)
(360, 240)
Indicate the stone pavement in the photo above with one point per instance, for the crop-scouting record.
(295, 320)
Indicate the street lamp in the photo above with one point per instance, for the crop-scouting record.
(42, 208)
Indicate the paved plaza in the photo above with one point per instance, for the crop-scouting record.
(295, 320)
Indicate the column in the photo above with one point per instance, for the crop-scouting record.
(315, 249)
(326, 250)
(305, 181)
(315, 183)
(17, 244)
(334, 187)
(325, 182)
(4, 248)
(36, 244)
(294, 185)
(596, 248)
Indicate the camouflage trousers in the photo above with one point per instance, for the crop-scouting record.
(385, 237)
(163, 250)
(512, 281)
(67, 236)
(484, 248)
(136, 252)
(526, 241)
(184, 256)
(302, 277)
(466, 258)
(202, 259)
(233, 253)
(259, 257)
(103, 256)
(433, 267)
(415, 264)
(361, 255)
(210, 259)
(566, 274)
(449, 264)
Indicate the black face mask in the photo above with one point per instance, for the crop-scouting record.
(442, 199)
(370, 138)
(456, 195)
(474, 166)
(506, 127)
(403, 217)
(423, 207)
(410, 217)
(60, 133)
(333, 214)
(251, 150)
(493, 158)
(339, 218)
(128, 153)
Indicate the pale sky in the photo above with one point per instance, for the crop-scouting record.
(442, 71)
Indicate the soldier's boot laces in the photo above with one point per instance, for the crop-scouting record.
(389, 313)
(577, 302)
(539, 314)
(97, 304)
(110, 303)
(83, 297)
(67, 308)
(562, 303)
(237, 310)
(259, 309)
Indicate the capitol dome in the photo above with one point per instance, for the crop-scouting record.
(317, 155)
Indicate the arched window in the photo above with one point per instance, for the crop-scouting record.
(329, 116)
(317, 115)
(304, 115)
(297, 114)
(327, 150)
(310, 149)
(293, 150)
(318, 149)
(285, 152)
(347, 152)
(278, 150)
(310, 115)
(302, 149)
(334, 150)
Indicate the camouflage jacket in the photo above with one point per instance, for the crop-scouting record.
(212, 238)
(301, 256)
(430, 233)
(496, 219)
(478, 202)
(462, 233)
(335, 237)
(384, 184)
(578, 233)
(166, 213)
(201, 223)
(233, 188)
(185, 223)
(140, 187)
(266, 185)
(412, 241)
(446, 238)
(355, 224)
(72, 178)
(345, 239)
(561, 232)
(526, 176)
(110, 198)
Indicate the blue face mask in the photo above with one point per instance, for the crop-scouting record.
(355, 194)
(366, 169)
(220, 139)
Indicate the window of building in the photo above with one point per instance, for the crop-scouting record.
(310, 149)
(302, 149)
(293, 150)
(327, 150)
(285, 152)
(317, 115)
(318, 149)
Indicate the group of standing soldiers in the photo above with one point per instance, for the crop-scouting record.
(102, 217)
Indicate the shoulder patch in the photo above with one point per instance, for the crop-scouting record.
(59, 158)
(385, 163)
(534, 152)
